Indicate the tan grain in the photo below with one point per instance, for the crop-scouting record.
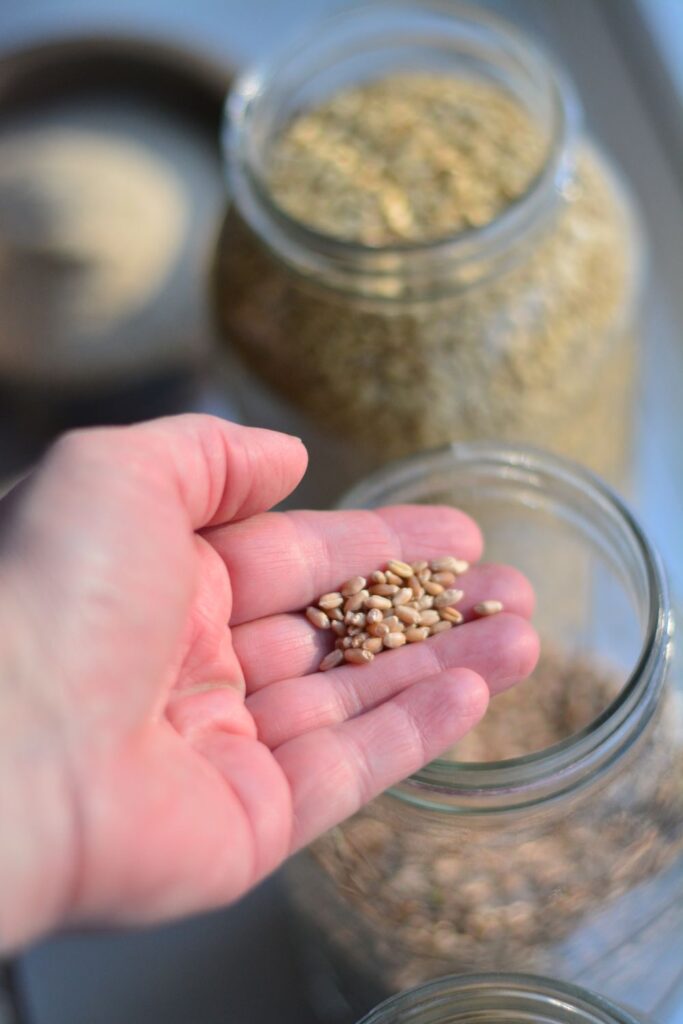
(451, 615)
(393, 640)
(399, 568)
(317, 618)
(409, 615)
(415, 634)
(440, 627)
(373, 643)
(384, 589)
(331, 660)
(489, 607)
(353, 585)
(358, 656)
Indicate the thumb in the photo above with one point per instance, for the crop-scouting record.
(224, 471)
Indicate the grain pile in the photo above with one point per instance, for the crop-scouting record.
(404, 603)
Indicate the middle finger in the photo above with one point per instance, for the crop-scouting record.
(284, 560)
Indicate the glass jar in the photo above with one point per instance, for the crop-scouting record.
(520, 329)
(565, 860)
(490, 998)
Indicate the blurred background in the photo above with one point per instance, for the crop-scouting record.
(112, 196)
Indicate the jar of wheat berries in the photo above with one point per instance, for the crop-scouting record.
(424, 246)
(550, 839)
(490, 998)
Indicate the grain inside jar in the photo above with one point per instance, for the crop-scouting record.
(408, 158)
(421, 295)
(417, 899)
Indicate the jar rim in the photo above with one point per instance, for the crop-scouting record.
(307, 249)
(498, 786)
(523, 997)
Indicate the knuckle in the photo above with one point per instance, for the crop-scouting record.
(79, 452)
(87, 443)
(72, 445)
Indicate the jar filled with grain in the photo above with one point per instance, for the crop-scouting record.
(490, 998)
(550, 839)
(424, 246)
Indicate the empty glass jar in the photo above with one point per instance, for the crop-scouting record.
(563, 859)
(511, 317)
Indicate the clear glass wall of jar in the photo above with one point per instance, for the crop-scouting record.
(565, 860)
(521, 329)
(490, 998)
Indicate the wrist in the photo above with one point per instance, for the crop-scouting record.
(37, 809)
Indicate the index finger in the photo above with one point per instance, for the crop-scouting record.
(282, 561)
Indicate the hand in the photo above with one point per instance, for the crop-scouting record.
(137, 781)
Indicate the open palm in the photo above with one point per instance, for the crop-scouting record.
(153, 607)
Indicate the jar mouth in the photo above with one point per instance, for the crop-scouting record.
(378, 29)
(508, 998)
(460, 787)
